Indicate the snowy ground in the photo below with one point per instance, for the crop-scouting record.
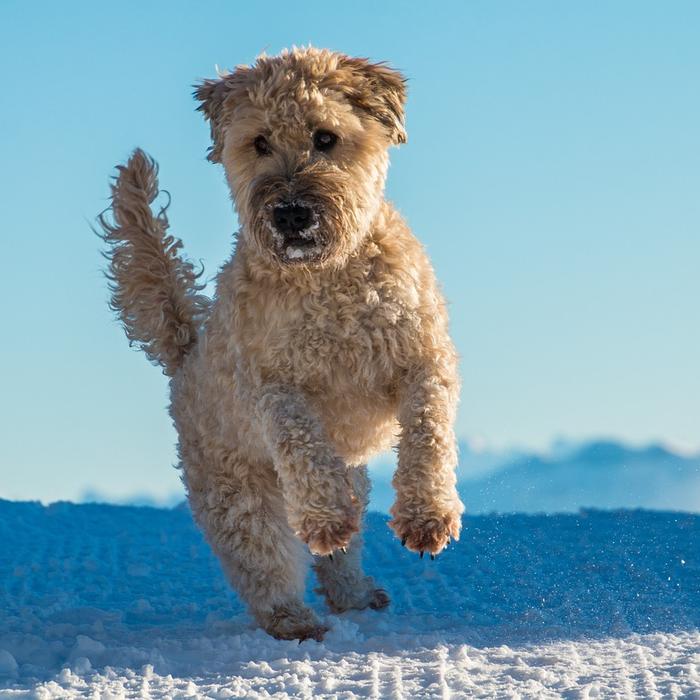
(107, 601)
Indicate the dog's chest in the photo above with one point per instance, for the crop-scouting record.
(344, 338)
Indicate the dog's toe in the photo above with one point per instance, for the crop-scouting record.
(380, 599)
(326, 536)
(317, 633)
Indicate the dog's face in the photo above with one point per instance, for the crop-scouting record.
(303, 138)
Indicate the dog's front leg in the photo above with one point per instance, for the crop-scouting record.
(316, 482)
(427, 511)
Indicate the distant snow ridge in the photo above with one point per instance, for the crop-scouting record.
(107, 601)
(599, 474)
(602, 474)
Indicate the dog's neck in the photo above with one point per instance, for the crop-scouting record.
(263, 269)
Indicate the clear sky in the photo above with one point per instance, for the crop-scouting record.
(552, 171)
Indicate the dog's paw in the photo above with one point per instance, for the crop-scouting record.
(342, 594)
(422, 531)
(294, 621)
(326, 533)
(380, 599)
(376, 599)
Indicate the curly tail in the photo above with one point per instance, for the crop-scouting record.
(154, 291)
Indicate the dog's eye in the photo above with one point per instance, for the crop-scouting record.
(262, 146)
(324, 140)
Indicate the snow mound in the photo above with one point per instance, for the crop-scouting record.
(113, 601)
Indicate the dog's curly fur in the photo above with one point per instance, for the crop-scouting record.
(312, 356)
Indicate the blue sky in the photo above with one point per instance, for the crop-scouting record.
(552, 170)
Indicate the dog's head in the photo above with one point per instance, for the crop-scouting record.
(303, 138)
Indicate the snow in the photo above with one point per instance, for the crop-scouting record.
(114, 601)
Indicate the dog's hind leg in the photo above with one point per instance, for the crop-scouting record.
(342, 580)
(241, 510)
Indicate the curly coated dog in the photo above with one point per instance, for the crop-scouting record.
(326, 341)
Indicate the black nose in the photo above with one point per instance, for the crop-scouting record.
(291, 218)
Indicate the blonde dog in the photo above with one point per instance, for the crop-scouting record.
(326, 341)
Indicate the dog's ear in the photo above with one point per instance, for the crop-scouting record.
(377, 89)
(217, 98)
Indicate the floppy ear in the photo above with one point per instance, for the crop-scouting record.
(379, 90)
(217, 97)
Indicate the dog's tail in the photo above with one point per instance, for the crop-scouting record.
(154, 291)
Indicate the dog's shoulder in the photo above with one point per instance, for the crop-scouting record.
(403, 271)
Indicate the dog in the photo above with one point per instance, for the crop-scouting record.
(326, 340)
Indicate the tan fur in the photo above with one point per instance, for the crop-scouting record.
(307, 363)
(153, 290)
